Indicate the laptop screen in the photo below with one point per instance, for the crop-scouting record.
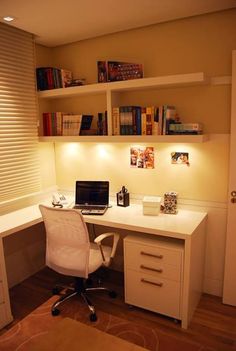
(90, 193)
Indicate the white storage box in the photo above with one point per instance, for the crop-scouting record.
(151, 205)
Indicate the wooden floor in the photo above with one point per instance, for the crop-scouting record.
(213, 324)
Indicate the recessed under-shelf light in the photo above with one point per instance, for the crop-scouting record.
(8, 18)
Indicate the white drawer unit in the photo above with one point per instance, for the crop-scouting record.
(154, 274)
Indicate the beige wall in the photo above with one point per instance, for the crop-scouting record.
(198, 44)
(202, 43)
(205, 179)
(47, 162)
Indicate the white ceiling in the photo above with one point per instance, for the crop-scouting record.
(58, 22)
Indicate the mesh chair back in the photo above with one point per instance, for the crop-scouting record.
(67, 238)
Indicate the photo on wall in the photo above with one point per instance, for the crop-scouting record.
(180, 158)
(142, 157)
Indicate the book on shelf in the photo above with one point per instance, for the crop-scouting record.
(150, 112)
(137, 122)
(116, 121)
(65, 124)
(102, 123)
(126, 120)
(150, 120)
(143, 121)
(186, 128)
(86, 122)
(52, 78)
(66, 78)
(155, 127)
(71, 125)
(134, 120)
(112, 71)
(52, 123)
(166, 115)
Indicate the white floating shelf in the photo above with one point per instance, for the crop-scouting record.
(134, 84)
(128, 139)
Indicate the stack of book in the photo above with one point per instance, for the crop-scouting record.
(53, 78)
(52, 123)
(137, 120)
(59, 123)
(186, 128)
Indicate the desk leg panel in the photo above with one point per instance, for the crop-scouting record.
(194, 262)
(5, 309)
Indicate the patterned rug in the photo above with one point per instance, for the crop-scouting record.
(39, 322)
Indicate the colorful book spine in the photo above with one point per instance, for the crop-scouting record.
(53, 78)
(149, 120)
(116, 121)
(143, 121)
(169, 114)
(155, 128)
(102, 123)
(138, 120)
(71, 125)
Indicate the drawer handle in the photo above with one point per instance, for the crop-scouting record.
(151, 255)
(159, 270)
(150, 282)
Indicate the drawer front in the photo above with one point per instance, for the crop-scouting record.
(157, 295)
(138, 253)
(158, 270)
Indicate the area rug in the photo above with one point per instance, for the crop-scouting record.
(72, 335)
(40, 322)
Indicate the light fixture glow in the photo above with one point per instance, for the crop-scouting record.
(8, 18)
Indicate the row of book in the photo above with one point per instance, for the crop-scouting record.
(53, 78)
(151, 120)
(137, 120)
(64, 124)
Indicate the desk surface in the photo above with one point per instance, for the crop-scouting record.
(183, 225)
(180, 226)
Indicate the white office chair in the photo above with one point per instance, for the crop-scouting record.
(69, 252)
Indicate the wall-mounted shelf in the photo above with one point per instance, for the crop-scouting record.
(134, 84)
(128, 139)
(111, 91)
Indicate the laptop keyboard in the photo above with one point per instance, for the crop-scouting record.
(81, 207)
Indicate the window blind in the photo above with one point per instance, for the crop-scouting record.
(19, 161)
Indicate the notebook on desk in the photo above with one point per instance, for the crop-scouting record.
(91, 197)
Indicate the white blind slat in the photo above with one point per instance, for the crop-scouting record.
(19, 161)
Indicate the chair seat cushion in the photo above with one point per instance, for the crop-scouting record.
(72, 261)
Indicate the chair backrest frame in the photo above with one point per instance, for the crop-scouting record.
(66, 236)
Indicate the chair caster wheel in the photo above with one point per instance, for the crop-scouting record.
(55, 312)
(93, 317)
(113, 294)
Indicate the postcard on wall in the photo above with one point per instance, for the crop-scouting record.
(180, 158)
(142, 157)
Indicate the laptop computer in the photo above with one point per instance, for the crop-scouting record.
(91, 197)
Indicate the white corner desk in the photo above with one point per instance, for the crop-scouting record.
(188, 227)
